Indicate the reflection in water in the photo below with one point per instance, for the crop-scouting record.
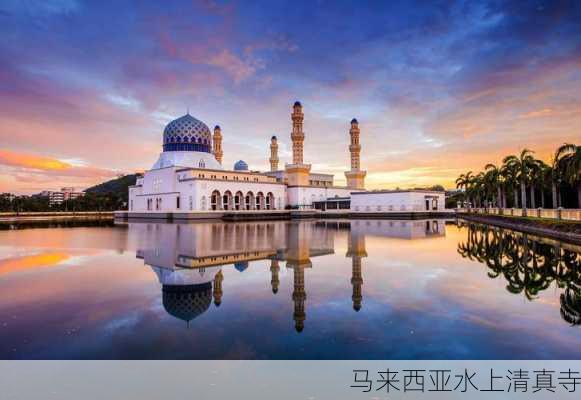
(361, 289)
(528, 264)
(188, 258)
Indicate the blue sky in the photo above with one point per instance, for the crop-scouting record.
(438, 87)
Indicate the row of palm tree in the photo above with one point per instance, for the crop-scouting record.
(521, 172)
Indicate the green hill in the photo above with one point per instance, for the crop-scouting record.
(117, 187)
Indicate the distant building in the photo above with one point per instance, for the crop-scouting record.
(58, 197)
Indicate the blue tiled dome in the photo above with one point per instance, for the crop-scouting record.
(240, 166)
(187, 134)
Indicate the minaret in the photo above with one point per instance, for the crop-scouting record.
(274, 281)
(298, 172)
(218, 288)
(217, 139)
(355, 177)
(297, 135)
(273, 154)
(356, 250)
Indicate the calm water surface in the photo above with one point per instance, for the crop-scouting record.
(288, 290)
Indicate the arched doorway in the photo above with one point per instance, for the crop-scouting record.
(270, 201)
(227, 200)
(260, 201)
(238, 200)
(249, 201)
(215, 202)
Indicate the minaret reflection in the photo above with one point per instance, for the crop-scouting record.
(218, 288)
(274, 280)
(298, 258)
(356, 250)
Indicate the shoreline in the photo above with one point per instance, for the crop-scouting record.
(33, 217)
(567, 231)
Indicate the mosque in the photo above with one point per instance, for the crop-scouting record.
(189, 176)
(189, 181)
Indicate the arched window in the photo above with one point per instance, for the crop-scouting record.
(249, 201)
(260, 201)
(202, 164)
(238, 200)
(227, 200)
(215, 201)
(269, 201)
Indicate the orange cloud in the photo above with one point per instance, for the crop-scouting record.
(32, 161)
(540, 113)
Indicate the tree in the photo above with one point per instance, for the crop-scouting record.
(568, 158)
(522, 165)
(494, 179)
(463, 182)
(510, 177)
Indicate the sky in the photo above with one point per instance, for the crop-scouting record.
(439, 88)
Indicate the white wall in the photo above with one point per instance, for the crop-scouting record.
(163, 187)
(301, 195)
(404, 201)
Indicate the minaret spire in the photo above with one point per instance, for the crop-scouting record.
(355, 177)
(297, 173)
(273, 154)
(217, 140)
(297, 135)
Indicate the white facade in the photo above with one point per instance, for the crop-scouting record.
(179, 189)
(398, 201)
(307, 195)
(188, 177)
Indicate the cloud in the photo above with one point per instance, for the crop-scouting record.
(35, 164)
(31, 161)
(237, 68)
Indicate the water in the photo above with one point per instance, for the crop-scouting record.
(288, 290)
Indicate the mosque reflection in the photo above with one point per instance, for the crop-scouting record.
(529, 264)
(188, 258)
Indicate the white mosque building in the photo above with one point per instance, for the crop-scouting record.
(188, 179)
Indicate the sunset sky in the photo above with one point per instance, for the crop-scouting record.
(87, 87)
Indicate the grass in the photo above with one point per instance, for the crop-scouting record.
(548, 223)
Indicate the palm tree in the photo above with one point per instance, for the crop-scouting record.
(545, 180)
(476, 188)
(494, 177)
(463, 182)
(569, 162)
(535, 177)
(522, 164)
(555, 179)
(509, 174)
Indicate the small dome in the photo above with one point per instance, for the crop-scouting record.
(354, 121)
(240, 166)
(187, 134)
(273, 137)
(297, 104)
(241, 266)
